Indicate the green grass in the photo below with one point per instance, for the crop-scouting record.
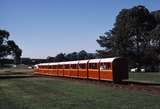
(153, 77)
(53, 93)
(57, 93)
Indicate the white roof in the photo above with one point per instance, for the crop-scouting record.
(73, 62)
(83, 61)
(43, 64)
(60, 63)
(108, 59)
(53, 64)
(65, 63)
(70, 62)
(94, 60)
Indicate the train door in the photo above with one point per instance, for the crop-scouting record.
(73, 70)
(66, 70)
(54, 70)
(106, 71)
(60, 70)
(93, 71)
(82, 70)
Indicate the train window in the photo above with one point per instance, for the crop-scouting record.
(60, 66)
(82, 66)
(73, 66)
(105, 66)
(50, 67)
(54, 67)
(92, 65)
(66, 66)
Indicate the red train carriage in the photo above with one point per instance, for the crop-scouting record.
(42, 68)
(109, 69)
(74, 69)
(60, 69)
(93, 69)
(83, 69)
(53, 69)
(67, 69)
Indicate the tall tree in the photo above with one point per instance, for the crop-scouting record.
(60, 57)
(3, 43)
(72, 56)
(131, 35)
(82, 55)
(50, 59)
(15, 51)
(8, 47)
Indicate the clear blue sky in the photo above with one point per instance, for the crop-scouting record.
(47, 27)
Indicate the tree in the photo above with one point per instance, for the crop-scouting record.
(8, 47)
(107, 43)
(50, 59)
(82, 55)
(72, 56)
(15, 51)
(3, 46)
(91, 55)
(60, 57)
(131, 35)
(156, 15)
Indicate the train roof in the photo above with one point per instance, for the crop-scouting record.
(70, 62)
(43, 64)
(52, 63)
(81, 61)
(60, 63)
(94, 60)
(108, 59)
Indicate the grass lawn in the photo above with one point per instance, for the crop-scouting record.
(55, 93)
(152, 77)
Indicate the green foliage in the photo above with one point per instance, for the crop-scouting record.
(156, 15)
(135, 35)
(60, 57)
(50, 59)
(3, 40)
(72, 56)
(82, 55)
(8, 47)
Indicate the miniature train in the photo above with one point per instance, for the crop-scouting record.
(106, 69)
